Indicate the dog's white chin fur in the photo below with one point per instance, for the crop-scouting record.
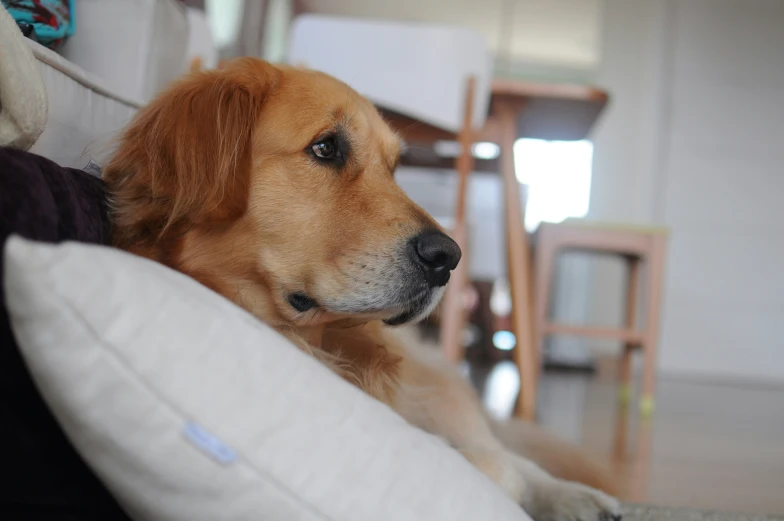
(433, 300)
(391, 315)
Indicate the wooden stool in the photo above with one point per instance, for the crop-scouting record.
(636, 245)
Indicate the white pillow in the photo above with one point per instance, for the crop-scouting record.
(188, 408)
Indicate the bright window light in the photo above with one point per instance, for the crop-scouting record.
(558, 176)
(486, 150)
(480, 150)
(224, 18)
(500, 298)
(504, 340)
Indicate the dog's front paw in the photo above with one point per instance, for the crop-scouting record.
(567, 501)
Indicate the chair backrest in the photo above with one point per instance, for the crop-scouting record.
(416, 69)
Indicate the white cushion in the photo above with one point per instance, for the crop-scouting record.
(22, 91)
(188, 408)
(83, 115)
(135, 46)
(53, 108)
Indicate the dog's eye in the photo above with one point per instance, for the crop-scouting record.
(325, 149)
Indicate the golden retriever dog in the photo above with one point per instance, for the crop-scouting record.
(274, 186)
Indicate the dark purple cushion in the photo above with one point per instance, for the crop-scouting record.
(42, 476)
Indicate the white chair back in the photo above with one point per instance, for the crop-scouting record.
(416, 69)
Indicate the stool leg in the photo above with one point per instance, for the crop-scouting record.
(453, 313)
(656, 281)
(625, 369)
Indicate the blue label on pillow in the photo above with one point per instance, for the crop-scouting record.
(209, 443)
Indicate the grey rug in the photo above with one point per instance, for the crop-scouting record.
(654, 513)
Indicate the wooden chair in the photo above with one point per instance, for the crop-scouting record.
(518, 109)
(543, 111)
(636, 245)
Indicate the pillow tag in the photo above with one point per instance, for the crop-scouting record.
(93, 168)
(208, 443)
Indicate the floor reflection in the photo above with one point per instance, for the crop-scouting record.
(708, 445)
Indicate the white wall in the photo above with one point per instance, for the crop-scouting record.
(625, 139)
(695, 140)
(723, 186)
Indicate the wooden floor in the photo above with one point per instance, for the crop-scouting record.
(709, 446)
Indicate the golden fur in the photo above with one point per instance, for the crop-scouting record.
(216, 179)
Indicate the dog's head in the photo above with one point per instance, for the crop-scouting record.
(274, 186)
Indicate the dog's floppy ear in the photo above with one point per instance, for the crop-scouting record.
(186, 157)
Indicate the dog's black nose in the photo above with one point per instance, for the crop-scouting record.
(437, 255)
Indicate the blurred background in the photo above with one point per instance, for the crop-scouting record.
(691, 139)
(624, 243)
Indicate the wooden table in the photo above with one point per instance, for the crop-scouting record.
(518, 109)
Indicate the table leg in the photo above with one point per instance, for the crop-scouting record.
(519, 259)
